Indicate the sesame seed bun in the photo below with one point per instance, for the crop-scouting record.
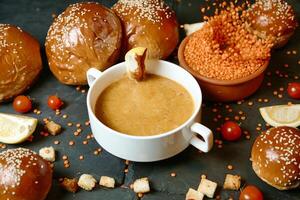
(20, 61)
(150, 24)
(276, 158)
(273, 18)
(24, 175)
(85, 35)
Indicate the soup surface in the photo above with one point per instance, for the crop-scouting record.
(150, 107)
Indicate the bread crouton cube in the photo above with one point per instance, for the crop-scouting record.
(207, 187)
(107, 182)
(141, 185)
(47, 153)
(87, 182)
(70, 184)
(232, 182)
(53, 128)
(194, 195)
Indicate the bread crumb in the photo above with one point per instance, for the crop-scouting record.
(207, 187)
(70, 184)
(232, 182)
(53, 128)
(87, 182)
(107, 182)
(141, 185)
(47, 153)
(194, 195)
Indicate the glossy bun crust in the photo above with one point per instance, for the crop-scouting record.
(85, 35)
(24, 175)
(276, 157)
(149, 23)
(273, 18)
(20, 61)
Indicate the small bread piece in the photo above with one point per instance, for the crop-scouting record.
(87, 182)
(70, 184)
(53, 128)
(232, 182)
(194, 195)
(135, 61)
(207, 187)
(107, 182)
(47, 153)
(141, 185)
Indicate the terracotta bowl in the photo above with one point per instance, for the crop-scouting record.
(224, 90)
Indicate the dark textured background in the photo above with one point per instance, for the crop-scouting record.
(35, 17)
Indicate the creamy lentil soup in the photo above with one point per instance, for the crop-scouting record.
(150, 107)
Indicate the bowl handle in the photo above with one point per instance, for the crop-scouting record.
(92, 74)
(207, 135)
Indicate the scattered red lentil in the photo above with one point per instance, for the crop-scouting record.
(66, 162)
(84, 142)
(230, 167)
(140, 195)
(71, 143)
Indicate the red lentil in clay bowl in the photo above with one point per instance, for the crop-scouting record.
(228, 61)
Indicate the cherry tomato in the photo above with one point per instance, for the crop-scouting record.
(251, 192)
(231, 131)
(294, 90)
(54, 102)
(22, 104)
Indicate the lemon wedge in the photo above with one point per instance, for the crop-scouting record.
(282, 115)
(15, 129)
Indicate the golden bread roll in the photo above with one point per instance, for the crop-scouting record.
(20, 61)
(274, 18)
(24, 175)
(150, 24)
(85, 35)
(276, 157)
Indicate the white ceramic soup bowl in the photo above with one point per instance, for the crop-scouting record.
(148, 148)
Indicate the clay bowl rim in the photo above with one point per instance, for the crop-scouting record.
(183, 63)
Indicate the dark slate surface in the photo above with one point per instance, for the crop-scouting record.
(35, 17)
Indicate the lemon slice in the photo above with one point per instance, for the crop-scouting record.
(282, 115)
(16, 128)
